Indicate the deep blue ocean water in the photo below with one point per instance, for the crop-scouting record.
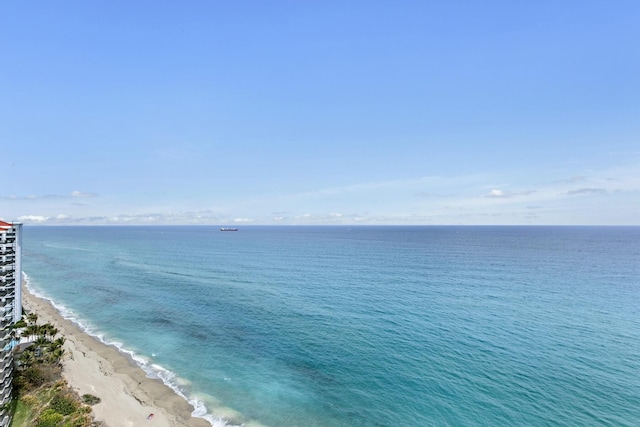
(364, 326)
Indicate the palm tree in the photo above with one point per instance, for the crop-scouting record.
(27, 358)
(58, 343)
(52, 331)
(45, 330)
(55, 356)
(32, 318)
(29, 332)
(42, 344)
(20, 324)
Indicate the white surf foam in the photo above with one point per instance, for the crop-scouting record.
(153, 370)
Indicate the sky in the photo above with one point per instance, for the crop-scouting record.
(332, 112)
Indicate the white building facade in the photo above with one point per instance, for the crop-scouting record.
(10, 308)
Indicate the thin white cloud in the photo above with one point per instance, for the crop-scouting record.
(34, 197)
(464, 199)
(414, 187)
(500, 194)
(572, 180)
(73, 194)
(586, 191)
(77, 193)
(497, 194)
(242, 220)
(32, 218)
(430, 194)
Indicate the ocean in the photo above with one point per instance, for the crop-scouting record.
(363, 326)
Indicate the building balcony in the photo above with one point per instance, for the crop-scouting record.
(7, 376)
(5, 393)
(5, 396)
(4, 340)
(7, 362)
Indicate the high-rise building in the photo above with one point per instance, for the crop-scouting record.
(10, 308)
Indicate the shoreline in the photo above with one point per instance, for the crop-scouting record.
(128, 396)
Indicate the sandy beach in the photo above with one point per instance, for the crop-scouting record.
(128, 396)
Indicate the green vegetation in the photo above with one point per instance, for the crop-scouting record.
(42, 398)
(21, 413)
(90, 399)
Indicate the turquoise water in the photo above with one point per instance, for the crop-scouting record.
(364, 326)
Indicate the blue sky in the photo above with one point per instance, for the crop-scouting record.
(332, 112)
